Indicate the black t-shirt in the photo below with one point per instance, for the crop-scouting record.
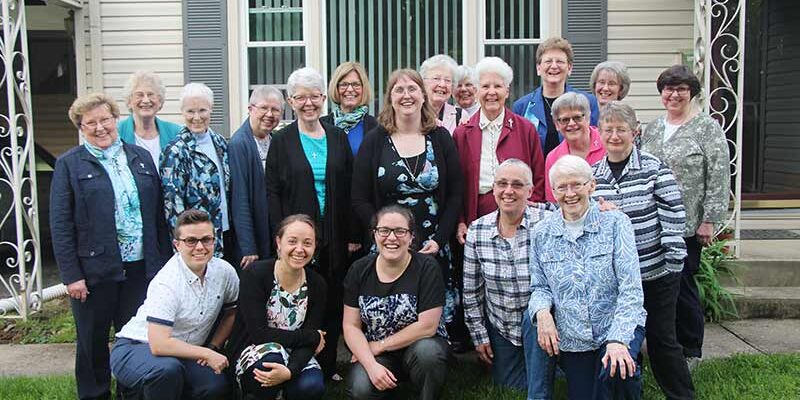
(617, 167)
(387, 308)
(551, 140)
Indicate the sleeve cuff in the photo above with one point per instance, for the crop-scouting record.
(160, 321)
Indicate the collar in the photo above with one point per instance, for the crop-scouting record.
(634, 163)
(497, 122)
(591, 223)
(523, 223)
(104, 154)
(190, 277)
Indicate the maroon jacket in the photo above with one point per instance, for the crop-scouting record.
(518, 139)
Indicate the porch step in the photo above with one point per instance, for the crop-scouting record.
(767, 301)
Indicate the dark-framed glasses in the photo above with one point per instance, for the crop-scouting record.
(207, 241)
(384, 231)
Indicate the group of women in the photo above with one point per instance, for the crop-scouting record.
(397, 193)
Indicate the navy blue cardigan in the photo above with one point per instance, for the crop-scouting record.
(82, 217)
(248, 205)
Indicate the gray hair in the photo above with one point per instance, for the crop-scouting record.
(571, 101)
(140, 78)
(197, 90)
(514, 162)
(495, 65)
(619, 111)
(439, 61)
(264, 92)
(569, 165)
(305, 77)
(465, 72)
(618, 69)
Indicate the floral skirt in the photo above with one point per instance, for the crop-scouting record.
(255, 352)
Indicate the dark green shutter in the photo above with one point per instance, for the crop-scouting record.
(205, 54)
(585, 25)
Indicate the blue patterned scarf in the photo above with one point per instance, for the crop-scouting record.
(348, 121)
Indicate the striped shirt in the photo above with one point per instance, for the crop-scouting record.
(649, 194)
(497, 277)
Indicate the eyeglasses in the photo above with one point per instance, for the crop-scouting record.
(315, 98)
(618, 131)
(202, 113)
(401, 90)
(680, 90)
(604, 82)
(261, 110)
(383, 231)
(207, 241)
(557, 61)
(575, 187)
(144, 95)
(565, 120)
(503, 184)
(105, 122)
(440, 79)
(345, 85)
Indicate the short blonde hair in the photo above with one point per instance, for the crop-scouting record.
(148, 78)
(555, 43)
(340, 72)
(89, 102)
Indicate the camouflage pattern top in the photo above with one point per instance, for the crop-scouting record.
(698, 155)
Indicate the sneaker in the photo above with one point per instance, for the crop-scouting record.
(693, 362)
(336, 378)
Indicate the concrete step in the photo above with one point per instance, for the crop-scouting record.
(767, 301)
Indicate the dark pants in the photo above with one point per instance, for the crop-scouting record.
(308, 385)
(508, 364)
(666, 354)
(457, 330)
(229, 252)
(108, 303)
(334, 309)
(424, 362)
(587, 379)
(690, 318)
(146, 376)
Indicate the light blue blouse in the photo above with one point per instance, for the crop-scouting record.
(593, 281)
(317, 154)
(127, 211)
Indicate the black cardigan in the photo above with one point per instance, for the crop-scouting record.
(255, 287)
(290, 190)
(367, 200)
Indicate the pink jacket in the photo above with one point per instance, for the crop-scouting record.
(596, 153)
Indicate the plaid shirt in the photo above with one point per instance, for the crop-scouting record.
(496, 276)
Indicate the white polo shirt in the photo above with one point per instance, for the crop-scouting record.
(176, 298)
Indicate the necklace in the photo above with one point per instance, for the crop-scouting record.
(411, 172)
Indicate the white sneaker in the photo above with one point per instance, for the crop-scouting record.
(693, 362)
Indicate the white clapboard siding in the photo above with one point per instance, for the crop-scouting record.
(648, 36)
(138, 35)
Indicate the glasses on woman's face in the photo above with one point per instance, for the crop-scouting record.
(402, 90)
(680, 90)
(207, 241)
(92, 126)
(503, 184)
(565, 120)
(315, 98)
(384, 232)
(575, 187)
(345, 85)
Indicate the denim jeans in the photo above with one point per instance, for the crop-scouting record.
(539, 367)
(163, 378)
(307, 385)
(588, 379)
(508, 365)
(424, 362)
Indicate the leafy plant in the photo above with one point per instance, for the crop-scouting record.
(717, 301)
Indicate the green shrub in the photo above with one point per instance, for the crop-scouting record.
(717, 301)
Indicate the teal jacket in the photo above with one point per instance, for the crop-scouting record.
(167, 131)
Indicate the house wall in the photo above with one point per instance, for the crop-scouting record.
(648, 36)
(131, 36)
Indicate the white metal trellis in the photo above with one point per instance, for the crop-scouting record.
(719, 63)
(20, 249)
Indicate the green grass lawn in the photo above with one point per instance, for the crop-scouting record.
(739, 377)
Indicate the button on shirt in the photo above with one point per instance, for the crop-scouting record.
(496, 276)
(490, 134)
(176, 298)
(593, 281)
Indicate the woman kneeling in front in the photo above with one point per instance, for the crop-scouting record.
(584, 265)
(392, 314)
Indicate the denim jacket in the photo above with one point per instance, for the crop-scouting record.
(593, 282)
(190, 179)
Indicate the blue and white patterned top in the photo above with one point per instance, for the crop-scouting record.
(593, 281)
(127, 209)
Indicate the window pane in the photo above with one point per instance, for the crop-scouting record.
(275, 20)
(272, 65)
(513, 19)
(521, 58)
(385, 35)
